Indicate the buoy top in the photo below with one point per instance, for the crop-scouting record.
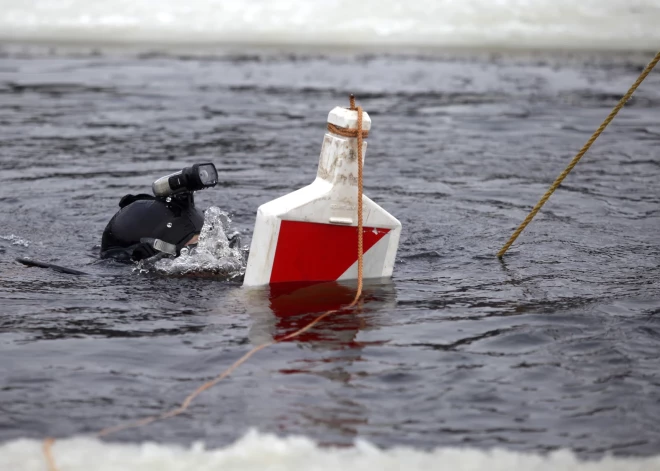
(345, 118)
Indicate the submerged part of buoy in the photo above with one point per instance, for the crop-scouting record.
(311, 234)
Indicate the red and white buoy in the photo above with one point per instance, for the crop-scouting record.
(311, 234)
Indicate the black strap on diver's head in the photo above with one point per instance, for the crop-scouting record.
(160, 245)
(128, 199)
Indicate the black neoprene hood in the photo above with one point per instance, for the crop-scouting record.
(172, 220)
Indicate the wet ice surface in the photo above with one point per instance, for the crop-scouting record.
(255, 452)
(555, 347)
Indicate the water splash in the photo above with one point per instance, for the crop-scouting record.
(15, 240)
(216, 253)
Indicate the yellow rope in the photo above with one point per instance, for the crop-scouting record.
(579, 155)
(359, 134)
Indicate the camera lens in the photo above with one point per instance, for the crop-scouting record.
(207, 174)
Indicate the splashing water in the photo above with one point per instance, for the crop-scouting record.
(216, 254)
(15, 240)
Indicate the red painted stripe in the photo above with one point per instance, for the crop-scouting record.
(309, 251)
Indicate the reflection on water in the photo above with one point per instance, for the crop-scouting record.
(281, 309)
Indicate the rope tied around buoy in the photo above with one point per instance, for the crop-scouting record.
(359, 134)
(579, 155)
(346, 132)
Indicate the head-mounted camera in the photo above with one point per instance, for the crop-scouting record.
(161, 224)
(194, 178)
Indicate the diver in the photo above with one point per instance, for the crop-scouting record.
(146, 226)
(154, 227)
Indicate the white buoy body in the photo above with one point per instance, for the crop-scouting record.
(311, 234)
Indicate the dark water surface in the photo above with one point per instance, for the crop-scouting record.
(556, 347)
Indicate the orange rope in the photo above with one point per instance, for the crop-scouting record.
(360, 137)
(345, 132)
(48, 443)
(48, 453)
